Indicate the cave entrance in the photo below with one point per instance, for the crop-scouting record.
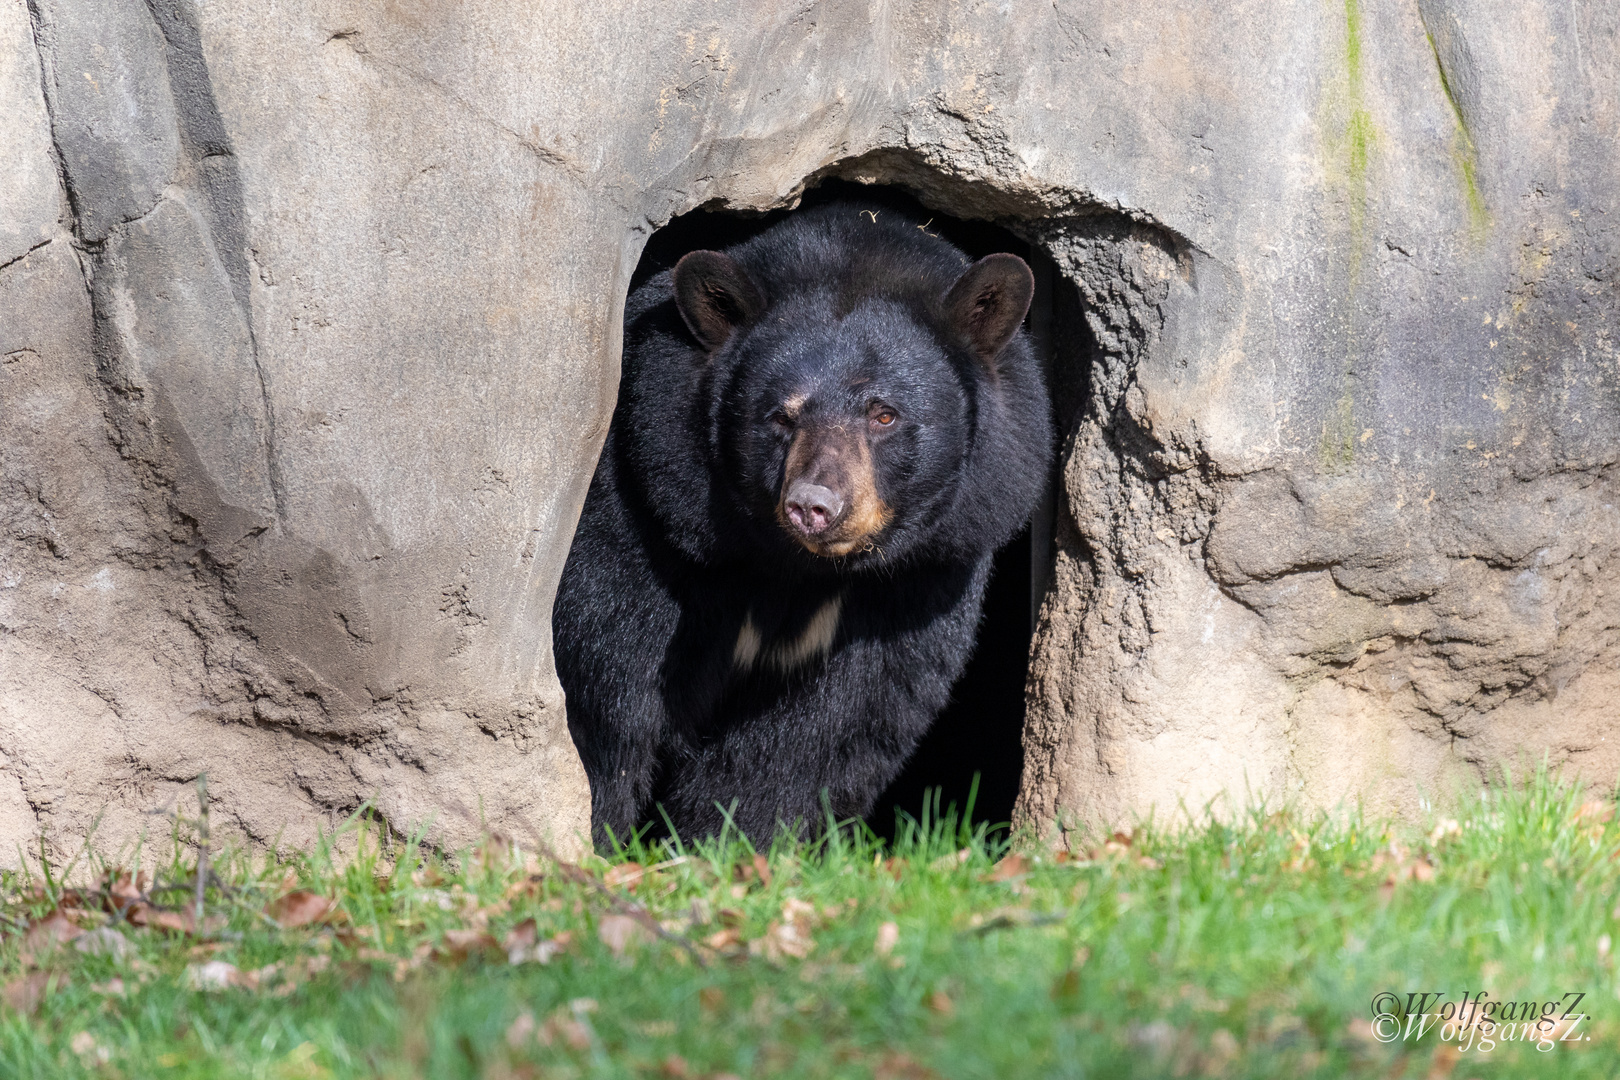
(980, 733)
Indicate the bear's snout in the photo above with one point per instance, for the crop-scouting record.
(829, 501)
(813, 509)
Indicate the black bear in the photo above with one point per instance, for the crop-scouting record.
(822, 436)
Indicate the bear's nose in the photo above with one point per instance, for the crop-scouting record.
(812, 507)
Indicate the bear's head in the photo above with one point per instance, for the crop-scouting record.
(860, 393)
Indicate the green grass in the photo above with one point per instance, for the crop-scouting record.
(1253, 948)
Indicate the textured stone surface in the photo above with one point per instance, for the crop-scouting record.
(300, 397)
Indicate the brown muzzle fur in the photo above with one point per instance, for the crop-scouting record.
(831, 467)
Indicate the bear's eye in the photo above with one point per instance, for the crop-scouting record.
(882, 416)
(781, 420)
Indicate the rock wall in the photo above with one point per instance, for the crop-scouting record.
(309, 330)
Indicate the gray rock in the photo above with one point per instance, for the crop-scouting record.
(112, 115)
(315, 388)
(30, 200)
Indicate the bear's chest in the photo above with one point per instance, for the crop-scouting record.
(744, 644)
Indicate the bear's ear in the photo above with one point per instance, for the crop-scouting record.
(989, 301)
(715, 296)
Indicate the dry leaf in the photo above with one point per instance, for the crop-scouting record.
(888, 936)
(951, 861)
(898, 1066)
(46, 934)
(418, 957)
(521, 936)
(180, 921)
(1444, 1061)
(941, 1003)
(1066, 985)
(674, 1067)
(722, 940)
(627, 874)
(122, 890)
(1443, 828)
(299, 908)
(789, 935)
(1595, 810)
(569, 1024)
(1010, 867)
(24, 994)
(521, 1030)
(529, 886)
(522, 945)
(90, 1053)
(620, 932)
(217, 975)
(763, 869)
(461, 944)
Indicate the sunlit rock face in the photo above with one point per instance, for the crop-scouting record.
(309, 336)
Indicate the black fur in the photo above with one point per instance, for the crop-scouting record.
(680, 539)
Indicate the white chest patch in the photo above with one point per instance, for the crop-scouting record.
(811, 644)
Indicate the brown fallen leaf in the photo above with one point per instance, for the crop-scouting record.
(24, 994)
(789, 935)
(299, 908)
(406, 965)
(888, 936)
(674, 1067)
(123, 890)
(569, 1023)
(722, 940)
(940, 1002)
(521, 1030)
(462, 944)
(46, 934)
(1594, 812)
(757, 868)
(1010, 867)
(521, 936)
(626, 874)
(218, 975)
(620, 932)
(898, 1066)
(179, 921)
(1444, 1061)
(522, 944)
(528, 886)
(1066, 985)
(90, 1053)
